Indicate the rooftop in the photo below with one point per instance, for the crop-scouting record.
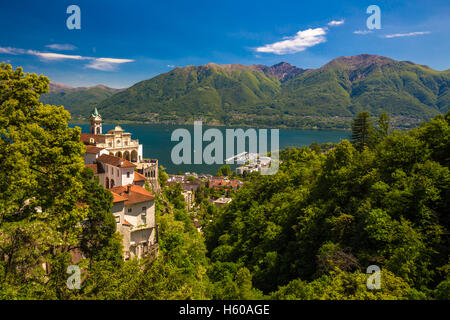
(96, 138)
(115, 161)
(133, 194)
(92, 149)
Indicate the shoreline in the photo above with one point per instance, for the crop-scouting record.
(212, 124)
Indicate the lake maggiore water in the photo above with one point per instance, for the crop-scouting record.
(155, 139)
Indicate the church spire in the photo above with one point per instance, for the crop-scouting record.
(96, 122)
(95, 114)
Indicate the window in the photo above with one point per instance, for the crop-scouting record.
(117, 172)
(109, 144)
(126, 143)
(118, 141)
(128, 174)
(130, 210)
(144, 209)
(117, 219)
(143, 219)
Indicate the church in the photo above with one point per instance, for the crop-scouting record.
(117, 142)
(117, 162)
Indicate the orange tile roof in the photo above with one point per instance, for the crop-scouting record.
(115, 161)
(139, 177)
(86, 138)
(92, 149)
(133, 193)
(117, 197)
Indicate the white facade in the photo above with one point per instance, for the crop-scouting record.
(136, 223)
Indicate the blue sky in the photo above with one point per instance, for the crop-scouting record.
(123, 42)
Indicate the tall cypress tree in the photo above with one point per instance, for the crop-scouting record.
(362, 128)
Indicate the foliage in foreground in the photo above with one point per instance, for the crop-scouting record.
(311, 230)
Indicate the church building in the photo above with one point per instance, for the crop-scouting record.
(117, 142)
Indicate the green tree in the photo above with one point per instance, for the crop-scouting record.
(362, 129)
(224, 170)
(162, 176)
(384, 124)
(48, 200)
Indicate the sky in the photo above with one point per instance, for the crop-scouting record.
(122, 42)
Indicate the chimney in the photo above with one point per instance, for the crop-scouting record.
(128, 188)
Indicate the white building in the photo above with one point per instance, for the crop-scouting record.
(134, 210)
(117, 142)
(222, 201)
(133, 206)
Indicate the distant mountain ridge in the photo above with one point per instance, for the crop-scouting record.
(78, 100)
(282, 93)
(283, 71)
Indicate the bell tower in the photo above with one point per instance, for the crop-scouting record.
(96, 122)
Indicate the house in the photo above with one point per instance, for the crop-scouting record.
(92, 153)
(113, 171)
(220, 202)
(134, 211)
(228, 184)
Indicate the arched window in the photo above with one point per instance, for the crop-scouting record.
(134, 156)
(112, 183)
(118, 141)
(107, 183)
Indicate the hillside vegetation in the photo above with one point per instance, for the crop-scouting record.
(79, 101)
(312, 230)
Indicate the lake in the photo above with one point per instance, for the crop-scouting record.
(156, 142)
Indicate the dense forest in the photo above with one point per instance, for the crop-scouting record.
(308, 232)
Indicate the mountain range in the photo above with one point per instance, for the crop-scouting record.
(270, 94)
(78, 100)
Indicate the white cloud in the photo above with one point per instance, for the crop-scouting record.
(113, 60)
(55, 56)
(300, 42)
(336, 22)
(170, 66)
(410, 34)
(9, 50)
(106, 64)
(362, 31)
(61, 47)
(103, 64)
